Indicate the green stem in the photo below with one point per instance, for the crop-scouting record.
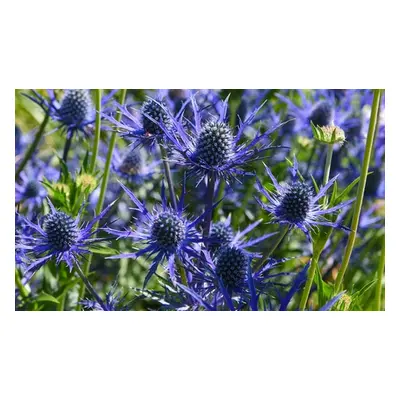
(103, 188)
(22, 289)
(32, 147)
(61, 304)
(372, 162)
(310, 279)
(328, 162)
(67, 146)
(312, 153)
(168, 175)
(97, 131)
(360, 190)
(381, 268)
(89, 286)
(182, 272)
(316, 254)
(277, 242)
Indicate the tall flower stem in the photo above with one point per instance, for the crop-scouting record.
(327, 169)
(32, 147)
(381, 268)
(103, 187)
(67, 146)
(360, 190)
(209, 203)
(317, 253)
(89, 286)
(168, 175)
(22, 289)
(309, 282)
(277, 242)
(97, 131)
(373, 162)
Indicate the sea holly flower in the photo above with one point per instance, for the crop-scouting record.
(74, 113)
(60, 237)
(29, 191)
(226, 281)
(166, 233)
(209, 147)
(132, 166)
(322, 110)
(296, 205)
(144, 127)
(231, 267)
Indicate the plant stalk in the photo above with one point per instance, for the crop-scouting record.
(168, 175)
(277, 242)
(381, 268)
(316, 254)
(103, 188)
(32, 147)
(97, 131)
(360, 190)
(310, 279)
(67, 146)
(89, 286)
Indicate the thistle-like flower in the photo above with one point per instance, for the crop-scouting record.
(296, 205)
(231, 267)
(58, 236)
(147, 125)
(166, 233)
(29, 191)
(321, 110)
(211, 148)
(226, 281)
(132, 165)
(74, 113)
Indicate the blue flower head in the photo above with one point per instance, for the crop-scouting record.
(131, 165)
(227, 281)
(322, 109)
(144, 127)
(296, 205)
(30, 191)
(58, 236)
(208, 146)
(74, 113)
(166, 233)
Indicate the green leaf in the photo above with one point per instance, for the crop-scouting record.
(45, 297)
(347, 190)
(103, 249)
(324, 290)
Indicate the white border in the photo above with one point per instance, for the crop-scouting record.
(206, 44)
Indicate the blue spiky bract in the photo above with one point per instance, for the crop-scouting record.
(166, 233)
(60, 237)
(295, 204)
(207, 144)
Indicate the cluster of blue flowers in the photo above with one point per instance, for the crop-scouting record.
(187, 204)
